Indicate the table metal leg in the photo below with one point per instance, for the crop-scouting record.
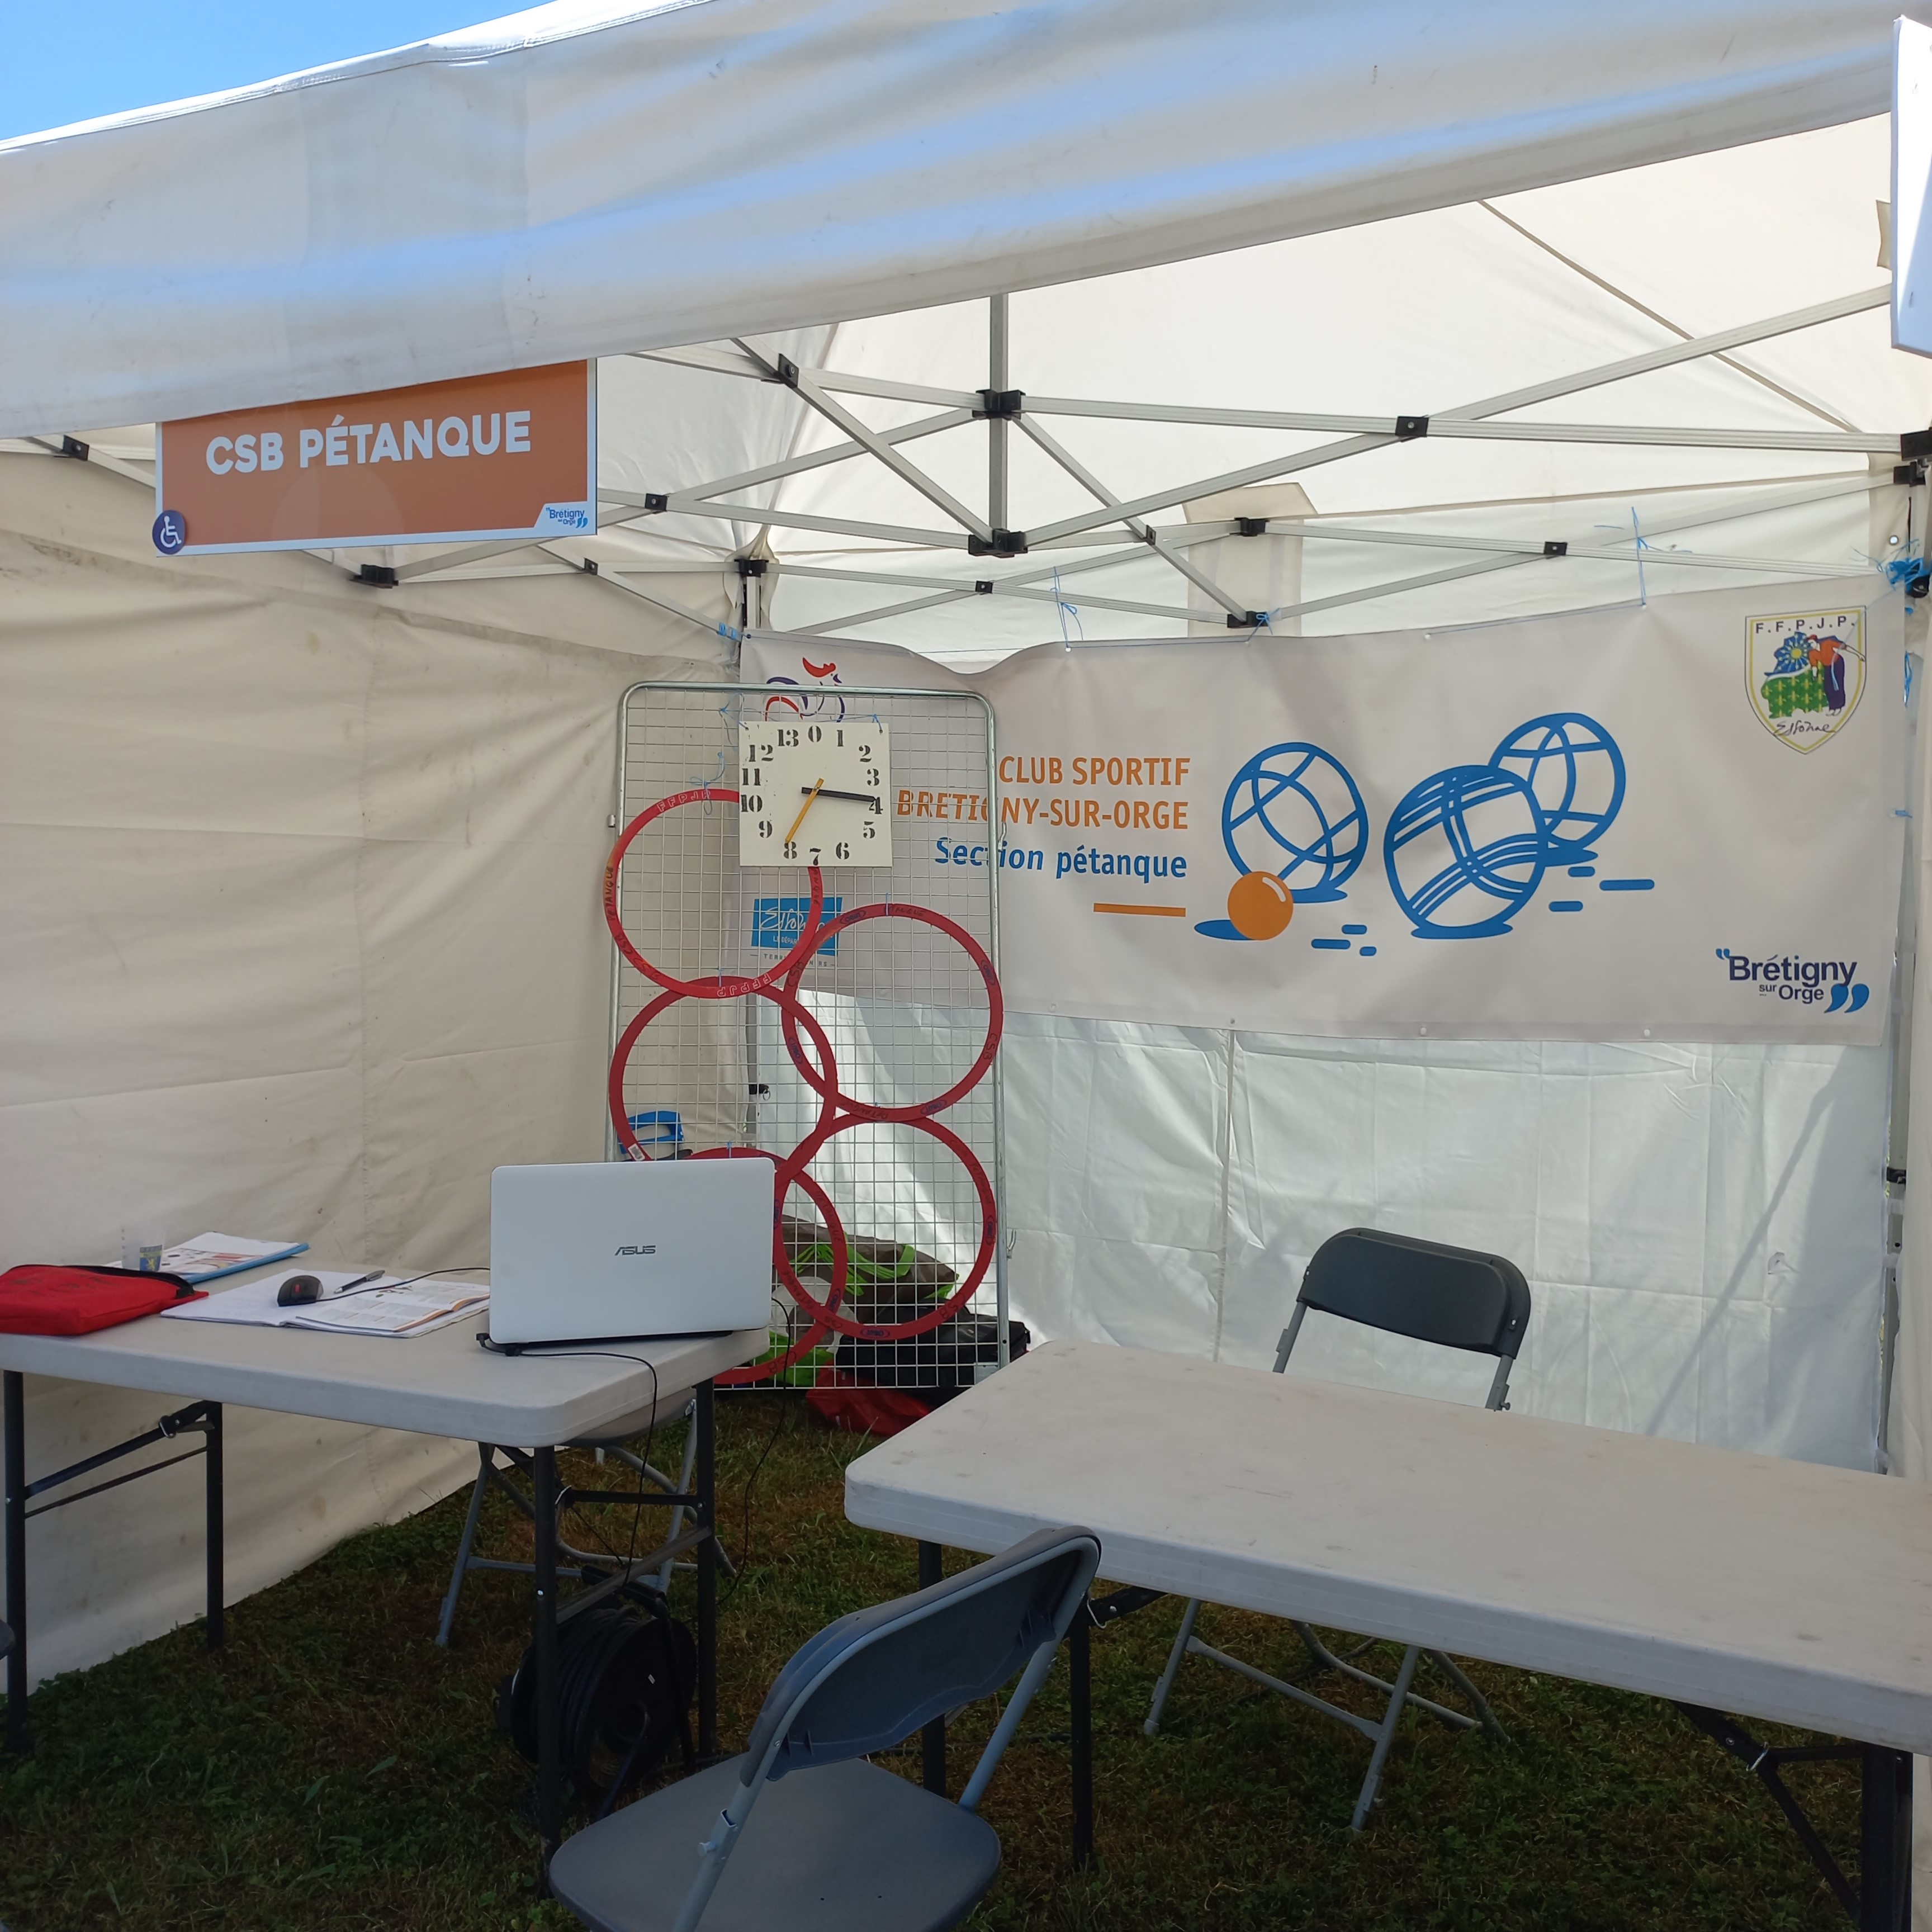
(932, 1739)
(212, 1439)
(1884, 1837)
(705, 1421)
(1079, 1656)
(13, 1426)
(550, 1770)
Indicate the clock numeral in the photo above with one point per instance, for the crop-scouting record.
(764, 828)
(815, 854)
(753, 804)
(753, 776)
(872, 776)
(865, 751)
(815, 732)
(787, 737)
(791, 848)
(840, 737)
(871, 828)
(842, 850)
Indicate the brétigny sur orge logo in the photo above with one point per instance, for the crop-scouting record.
(1831, 984)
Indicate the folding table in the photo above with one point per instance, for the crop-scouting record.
(439, 1383)
(1728, 1582)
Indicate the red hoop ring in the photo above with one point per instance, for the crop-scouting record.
(620, 1063)
(722, 985)
(827, 1311)
(923, 1110)
(759, 1372)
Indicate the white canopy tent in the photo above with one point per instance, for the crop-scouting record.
(1429, 213)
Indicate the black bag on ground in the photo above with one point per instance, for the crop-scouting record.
(937, 1364)
(626, 1673)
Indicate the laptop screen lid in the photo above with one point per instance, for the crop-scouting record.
(604, 1249)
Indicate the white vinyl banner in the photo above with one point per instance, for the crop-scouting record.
(1680, 821)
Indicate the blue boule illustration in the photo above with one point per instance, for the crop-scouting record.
(1465, 850)
(1575, 770)
(1294, 810)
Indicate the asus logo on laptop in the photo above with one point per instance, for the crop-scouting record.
(650, 1249)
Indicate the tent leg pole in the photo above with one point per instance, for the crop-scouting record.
(996, 426)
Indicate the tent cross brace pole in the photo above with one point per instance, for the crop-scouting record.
(805, 384)
(1489, 406)
(1145, 532)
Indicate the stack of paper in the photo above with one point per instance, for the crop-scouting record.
(383, 1307)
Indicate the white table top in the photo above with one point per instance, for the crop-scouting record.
(1767, 1587)
(440, 1384)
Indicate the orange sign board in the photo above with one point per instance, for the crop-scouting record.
(506, 455)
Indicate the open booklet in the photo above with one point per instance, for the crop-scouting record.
(383, 1307)
(207, 1256)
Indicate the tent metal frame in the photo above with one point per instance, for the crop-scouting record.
(1122, 528)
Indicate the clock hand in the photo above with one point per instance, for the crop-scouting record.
(856, 797)
(803, 809)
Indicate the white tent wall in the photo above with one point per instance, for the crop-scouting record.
(1702, 1228)
(301, 940)
(420, 796)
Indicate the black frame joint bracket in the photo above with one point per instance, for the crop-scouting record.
(377, 576)
(749, 566)
(1102, 1611)
(1248, 620)
(999, 405)
(655, 502)
(1895, 1176)
(1407, 428)
(590, 566)
(1914, 445)
(1251, 526)
(1556, 547)
(787, 372)
(1004, 543)
(73, 446)
(1909, 474)
(982, 586)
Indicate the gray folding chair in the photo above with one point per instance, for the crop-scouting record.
(841, 1845)
(1454, 1296)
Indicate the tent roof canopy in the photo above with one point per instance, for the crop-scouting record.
(585, 180)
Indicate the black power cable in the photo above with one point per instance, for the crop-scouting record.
(626, 1674)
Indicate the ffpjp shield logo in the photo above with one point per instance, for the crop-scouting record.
(1805, 671)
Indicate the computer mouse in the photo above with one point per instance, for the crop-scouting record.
(298, 1291)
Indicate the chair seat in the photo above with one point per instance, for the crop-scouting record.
(844, 1847)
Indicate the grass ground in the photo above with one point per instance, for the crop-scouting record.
(333, 1768)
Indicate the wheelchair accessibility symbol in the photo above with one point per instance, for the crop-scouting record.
(170, 532)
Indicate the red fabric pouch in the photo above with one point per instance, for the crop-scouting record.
(39, 1299)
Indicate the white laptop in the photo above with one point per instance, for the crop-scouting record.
(611, 1249)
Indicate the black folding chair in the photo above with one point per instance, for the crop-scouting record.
(841, 1845)
(1454, 1297)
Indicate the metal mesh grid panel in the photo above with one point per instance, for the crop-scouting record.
(901, 1006)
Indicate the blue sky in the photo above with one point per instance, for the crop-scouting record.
(73, 61)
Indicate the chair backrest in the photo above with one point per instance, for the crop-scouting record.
(1456, 1297)
(871, 1678)
(876, 1676)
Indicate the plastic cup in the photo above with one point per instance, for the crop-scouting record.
(141, 1242)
